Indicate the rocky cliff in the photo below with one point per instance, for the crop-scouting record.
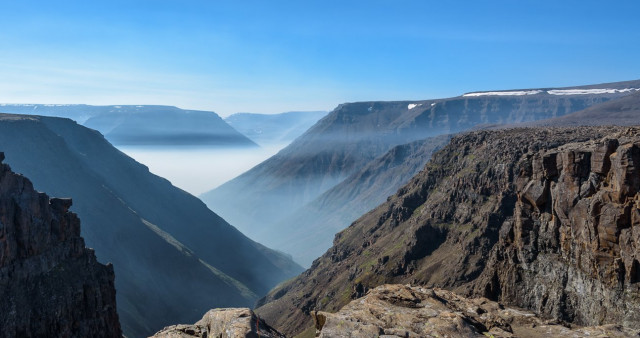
(545, 219)
(50, 284)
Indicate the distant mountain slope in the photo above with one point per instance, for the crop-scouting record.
(621, 111)
(174, 258)
(145, 125)
(546, 219)
(308, 232)
(274, 129)
(354, 134)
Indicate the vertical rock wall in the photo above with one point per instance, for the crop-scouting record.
(50, 284)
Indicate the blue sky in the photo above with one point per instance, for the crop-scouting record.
(274, 56)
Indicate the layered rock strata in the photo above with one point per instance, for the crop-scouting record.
(50, 284)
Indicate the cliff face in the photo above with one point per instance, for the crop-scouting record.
(572, 248)
(50, 284)
(546, 219)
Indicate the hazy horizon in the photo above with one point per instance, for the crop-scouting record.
(272, 57)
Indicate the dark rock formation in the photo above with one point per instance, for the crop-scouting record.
(50, 284)
(402, 311)
(545, 219)
(223, 323)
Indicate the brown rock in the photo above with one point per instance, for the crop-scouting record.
(223, 323)
(405, 311)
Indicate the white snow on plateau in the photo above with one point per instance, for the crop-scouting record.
(510, 93)
(413, 105)
(590, 91)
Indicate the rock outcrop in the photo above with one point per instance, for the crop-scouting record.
(403, 311)
(223, 323)
(50, 284)
(544, 219)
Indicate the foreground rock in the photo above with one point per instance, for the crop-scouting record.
(546, 219)
(50, 284)
(403, 311)
(223, 323)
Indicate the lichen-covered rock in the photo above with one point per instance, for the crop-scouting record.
(395, 310)
(50, 284)
(223, 323)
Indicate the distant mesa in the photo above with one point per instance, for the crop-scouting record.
(144, 125)
(274, 129)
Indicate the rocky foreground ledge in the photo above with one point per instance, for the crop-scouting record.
(395, 310)
(224, 323)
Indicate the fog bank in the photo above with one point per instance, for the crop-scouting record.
(196, 169)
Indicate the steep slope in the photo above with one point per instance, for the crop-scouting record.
(274, 129)
(308, 232)
(354, 134)
(544, 219)
(174, 258)
(621, 111)
(144, 125)
(50, 284)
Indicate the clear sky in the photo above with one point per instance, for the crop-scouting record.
(272, 56)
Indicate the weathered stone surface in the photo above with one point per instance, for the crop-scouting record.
(545, 219)
(223, 323)
(395, 310)
(50, 284)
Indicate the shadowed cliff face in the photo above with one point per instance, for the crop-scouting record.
(174, 258)
(50, 284)
(545, 219)
(355, 134)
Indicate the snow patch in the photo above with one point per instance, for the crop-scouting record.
(510, 93)
(433, 104)
(590, 91)
(413, 105)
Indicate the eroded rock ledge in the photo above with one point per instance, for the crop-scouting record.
(395, 310)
